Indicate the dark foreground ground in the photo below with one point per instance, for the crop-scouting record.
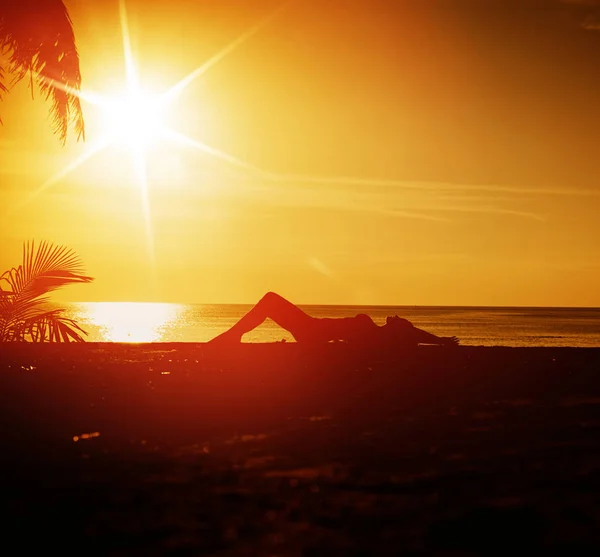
(273, 450)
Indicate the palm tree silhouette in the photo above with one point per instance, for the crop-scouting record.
(24, 314)
(38, 40)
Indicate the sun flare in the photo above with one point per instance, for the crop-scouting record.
(134, 120)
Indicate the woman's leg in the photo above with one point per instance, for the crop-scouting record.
(275, 307)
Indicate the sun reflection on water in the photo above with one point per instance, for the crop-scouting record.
(131, 321)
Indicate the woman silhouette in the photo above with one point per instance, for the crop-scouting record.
(360, 329)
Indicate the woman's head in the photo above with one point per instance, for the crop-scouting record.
(397, 323)
(399, 332)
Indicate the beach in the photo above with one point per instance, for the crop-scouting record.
(275, 449)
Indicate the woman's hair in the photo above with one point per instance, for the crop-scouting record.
(397, 323)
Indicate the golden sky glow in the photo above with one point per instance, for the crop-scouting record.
(358, 152)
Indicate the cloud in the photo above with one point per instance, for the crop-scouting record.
(439, 187)
(420, 201)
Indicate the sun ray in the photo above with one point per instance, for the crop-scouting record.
(139, 158)
(200, 145)
(89, 153)
(142, 177)
(88, 96)
(131, 72)
(200, 70)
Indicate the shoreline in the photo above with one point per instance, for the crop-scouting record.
(243, 345)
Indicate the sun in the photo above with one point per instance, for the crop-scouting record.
(134, 120)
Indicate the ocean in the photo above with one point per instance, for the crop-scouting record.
(475, 326)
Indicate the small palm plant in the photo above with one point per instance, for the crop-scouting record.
(24, 313)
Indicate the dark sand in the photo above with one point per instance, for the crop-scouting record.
(275, 450)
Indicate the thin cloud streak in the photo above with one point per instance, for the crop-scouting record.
(366, 202)
(310, 179)
(403, 214)
(493, 210)
(328, 199)
(431, 186)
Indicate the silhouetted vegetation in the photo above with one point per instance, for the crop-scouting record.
(37, 37)
(24, 312)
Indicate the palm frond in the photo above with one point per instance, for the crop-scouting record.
(3, 88)
(52, 326)
(42, 271)
(46, 269)
(13, 312)
(38, 35)
(26, 289)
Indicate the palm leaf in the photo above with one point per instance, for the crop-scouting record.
(3, 88)
(23, 301)
(38, 35)
(45, 269)
(51, 326)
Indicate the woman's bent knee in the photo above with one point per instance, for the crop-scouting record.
(271, 297)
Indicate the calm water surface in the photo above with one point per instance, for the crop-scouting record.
(156, 322)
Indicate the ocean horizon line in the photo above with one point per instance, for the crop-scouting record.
(381, 306)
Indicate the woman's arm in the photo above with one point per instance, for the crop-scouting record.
(423, 337)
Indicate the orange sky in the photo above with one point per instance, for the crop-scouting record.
(398, 152)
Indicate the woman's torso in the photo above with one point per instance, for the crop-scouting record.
(359, 328)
